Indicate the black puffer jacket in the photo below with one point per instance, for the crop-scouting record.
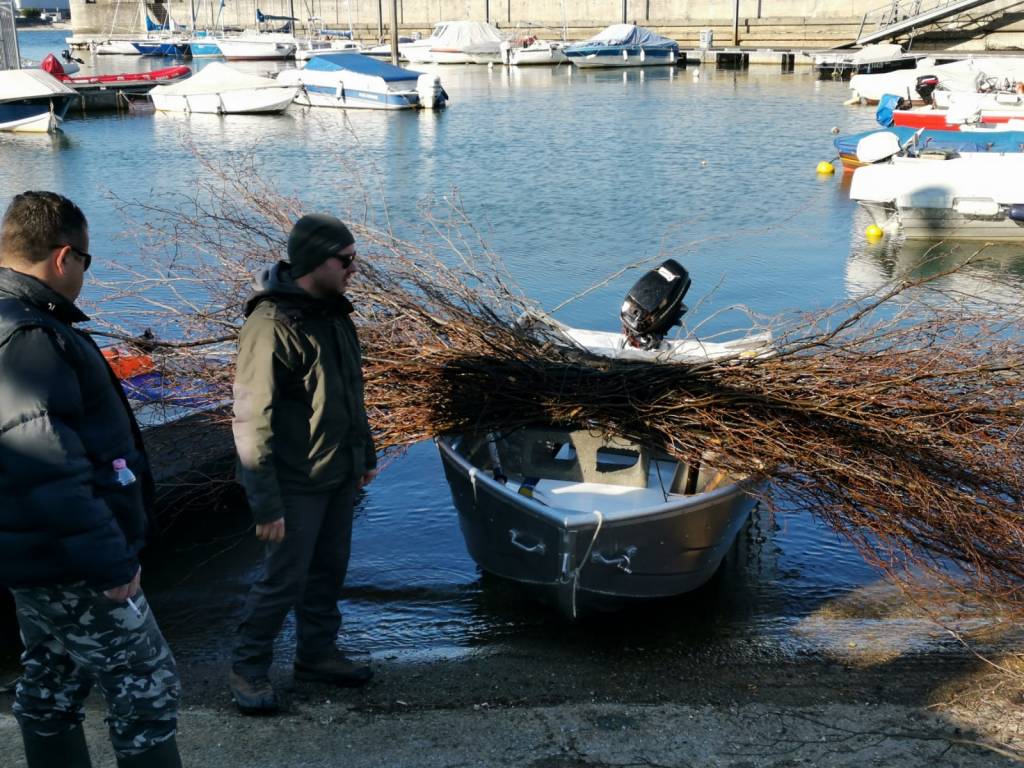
(64, 419)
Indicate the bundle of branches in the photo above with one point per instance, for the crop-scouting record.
(895, 418)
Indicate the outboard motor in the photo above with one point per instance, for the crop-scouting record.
(655, 304)
(925, 87)
(1016, 213)
(432, 95)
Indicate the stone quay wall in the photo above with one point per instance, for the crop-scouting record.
(801, 24)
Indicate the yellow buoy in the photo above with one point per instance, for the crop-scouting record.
(825, 168)
(873, 233)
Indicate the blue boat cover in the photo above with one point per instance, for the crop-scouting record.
(626, 35)
(958, 141)
(887, 105)
(153, 388)
(364, 65)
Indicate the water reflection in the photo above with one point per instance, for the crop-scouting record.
(993, 272)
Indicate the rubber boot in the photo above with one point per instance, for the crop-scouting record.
(163, 755)
(68, 749)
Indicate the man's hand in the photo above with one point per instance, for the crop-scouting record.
(272, 533)
(367, 478)
(122, 593)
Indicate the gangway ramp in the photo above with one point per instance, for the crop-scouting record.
(903, 16)
(10, 56)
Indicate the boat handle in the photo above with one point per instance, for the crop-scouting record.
(623, 562)
(534, 549)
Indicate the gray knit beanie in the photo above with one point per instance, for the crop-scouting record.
(313, 240)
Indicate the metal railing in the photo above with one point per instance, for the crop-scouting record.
(10, 55)
(900, 15)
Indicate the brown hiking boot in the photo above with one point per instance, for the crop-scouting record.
(337, 669)
(252, 695)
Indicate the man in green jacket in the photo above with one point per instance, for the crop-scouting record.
(305, 449)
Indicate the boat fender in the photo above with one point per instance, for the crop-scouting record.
(643, 55)
(1016, 212)
(625, 55)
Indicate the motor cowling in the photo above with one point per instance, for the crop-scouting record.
(654, 304)
(925, 86)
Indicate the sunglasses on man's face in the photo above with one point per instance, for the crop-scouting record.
(346, 259)
(83, 255)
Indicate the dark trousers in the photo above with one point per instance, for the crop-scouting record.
(74, 637)
(306, 572)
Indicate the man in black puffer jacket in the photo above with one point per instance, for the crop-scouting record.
(74, 490)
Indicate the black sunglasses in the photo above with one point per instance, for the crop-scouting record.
(86, 257)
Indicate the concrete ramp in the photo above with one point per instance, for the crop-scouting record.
(903, 16)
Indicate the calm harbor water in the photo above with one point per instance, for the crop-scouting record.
(569, 176)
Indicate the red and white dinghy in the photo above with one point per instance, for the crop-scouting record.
(133, 82)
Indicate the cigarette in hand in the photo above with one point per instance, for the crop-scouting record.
(134, 607)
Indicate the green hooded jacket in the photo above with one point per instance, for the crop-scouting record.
(300, 422)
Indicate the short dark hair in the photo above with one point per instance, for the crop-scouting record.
(36, 221)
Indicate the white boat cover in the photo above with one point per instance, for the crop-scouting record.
(628, 34)
(876, 53)
(216, 78)
(16, 84)
(465, 35)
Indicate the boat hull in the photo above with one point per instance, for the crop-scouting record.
(256, 50)
(578, 556)
(205, 50)
(451, 56)
(34, 115)
(631, 56)
(350, 98)
(257, 101)
(116, 48)
(537, 56)
(945, 224)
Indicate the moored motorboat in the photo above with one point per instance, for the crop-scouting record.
(533, 51)
(116, 48)
(868, 147)
(590, 517)
(131, 82)
(624, 45)
(354, 81)
(219, 89)
(32, 101)
(383, 50)
(258, 46)
(954, 75)
(971, 196)
(457, 42)
(310, 48)
(961, 111)
(878, 58)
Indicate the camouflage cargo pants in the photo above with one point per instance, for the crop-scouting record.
(74, 637)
